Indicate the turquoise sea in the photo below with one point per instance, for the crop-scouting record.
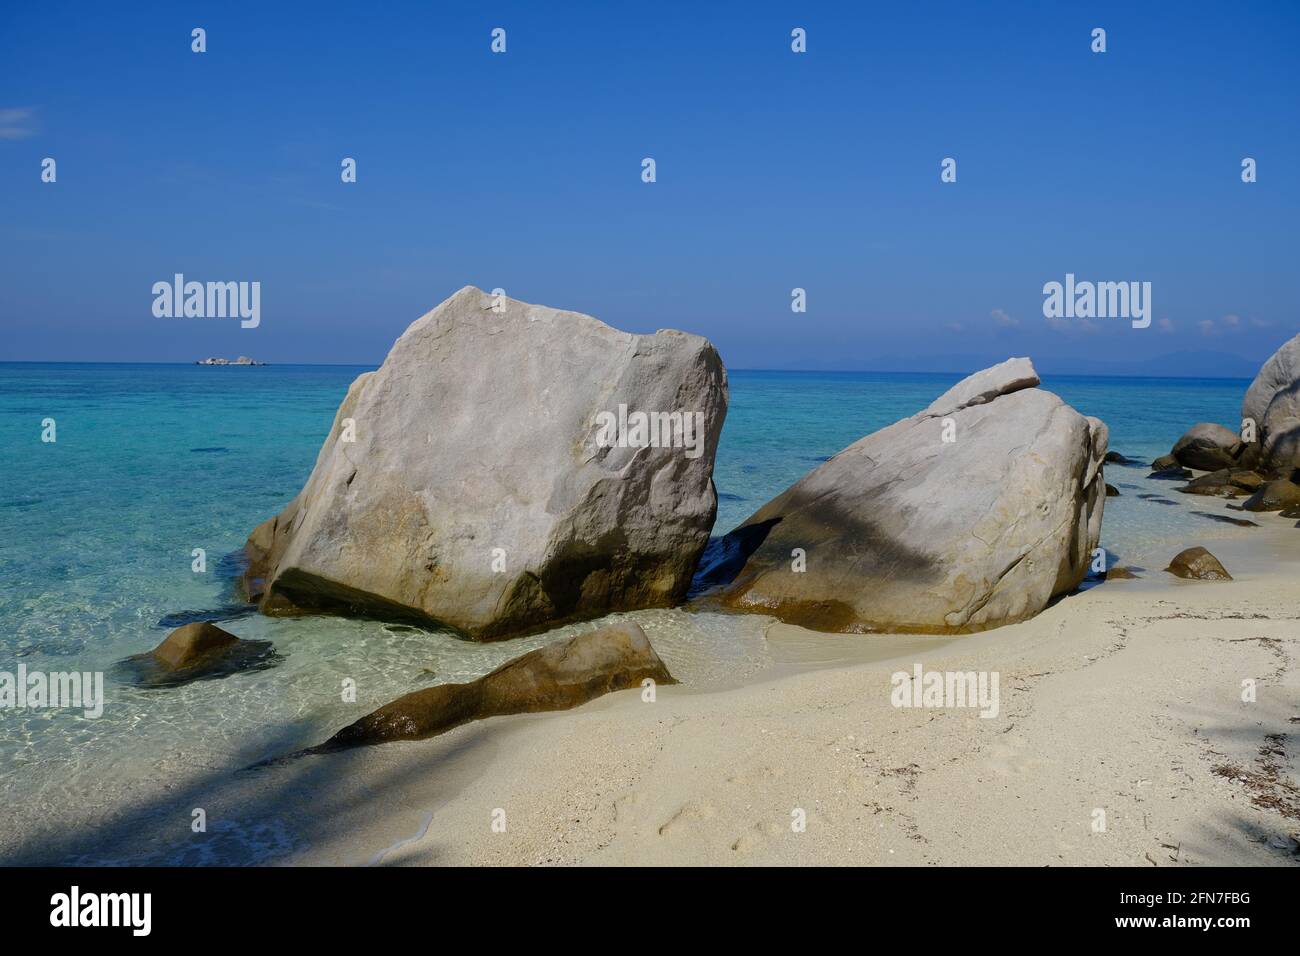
(152, 461)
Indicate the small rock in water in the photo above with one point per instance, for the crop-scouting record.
(1112, 491)
(1198, 564)
(194, 652)
(1173, 473)
(1120, 573)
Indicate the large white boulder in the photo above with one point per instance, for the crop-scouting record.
(907, 531)
(491, 476)
(1273, 403)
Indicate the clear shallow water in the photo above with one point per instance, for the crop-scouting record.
(152, 461)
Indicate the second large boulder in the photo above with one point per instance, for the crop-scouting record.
(973, 513)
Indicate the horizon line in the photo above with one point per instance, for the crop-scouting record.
(823, 371)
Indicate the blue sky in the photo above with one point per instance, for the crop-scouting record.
(775, 170)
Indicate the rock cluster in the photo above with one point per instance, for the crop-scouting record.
(1262, 463)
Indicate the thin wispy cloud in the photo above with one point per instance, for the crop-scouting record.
(17, 123)
(1072, 326)
(1229, 324)
(1003, 320)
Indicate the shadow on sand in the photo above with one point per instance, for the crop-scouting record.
(273, 815)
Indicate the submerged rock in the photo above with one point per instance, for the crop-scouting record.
(555, 677)
(1273, 403)
(1198, 564)
(1171, 474)
(510, 467)
(1120, 573)
(194, 652)
(970, 514)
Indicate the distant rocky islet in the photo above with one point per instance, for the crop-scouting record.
(242, 360)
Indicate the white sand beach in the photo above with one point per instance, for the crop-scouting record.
(1126, 699)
